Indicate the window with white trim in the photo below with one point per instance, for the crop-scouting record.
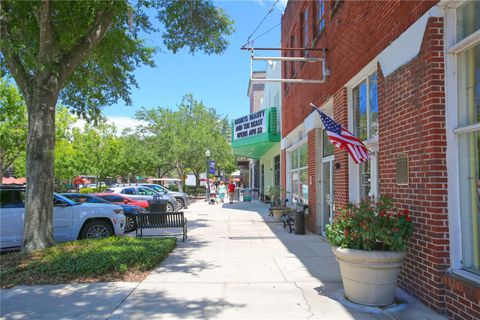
(464, 134)
(299, 174)
(305, 32)
(320, 16)
(364, 119)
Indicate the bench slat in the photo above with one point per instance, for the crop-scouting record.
(160, 220)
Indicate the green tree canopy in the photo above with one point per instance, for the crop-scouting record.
(86, 52)
(183, 136)
(13, 126)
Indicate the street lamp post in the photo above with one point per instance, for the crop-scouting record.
(207, 154)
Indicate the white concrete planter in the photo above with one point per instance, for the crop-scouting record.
(277, 214)
(369, 277)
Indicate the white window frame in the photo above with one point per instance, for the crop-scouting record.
(452, 49)
(371, 144)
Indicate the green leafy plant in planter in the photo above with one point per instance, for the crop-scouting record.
(369, 240)
(275, 193)
(371, 226)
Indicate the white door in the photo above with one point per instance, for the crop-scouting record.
(62, 221)
(327, 192)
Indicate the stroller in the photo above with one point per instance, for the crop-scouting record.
(213, 197)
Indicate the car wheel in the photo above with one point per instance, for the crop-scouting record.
(96, 229)
(180, 204)
(170, 207)
(130, 223)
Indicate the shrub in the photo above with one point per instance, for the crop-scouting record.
(93, 190)
(370, 226)
(105, 259)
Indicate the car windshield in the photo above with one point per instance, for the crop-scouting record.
(157, 188)
(146, 191)
(64, 199)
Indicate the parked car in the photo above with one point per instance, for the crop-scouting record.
(71, 221)
(183, 199)
(122, 199)
(129, 210)
(144, 193)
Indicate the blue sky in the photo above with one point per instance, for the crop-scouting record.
(219, 81)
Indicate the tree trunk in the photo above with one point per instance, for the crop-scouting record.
(38, 231)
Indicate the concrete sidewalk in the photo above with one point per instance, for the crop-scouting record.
(236, 264)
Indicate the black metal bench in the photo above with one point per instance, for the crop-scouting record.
(288, 219)
(161, 220)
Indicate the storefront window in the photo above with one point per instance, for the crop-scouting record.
(468, 135)
(328, 147)
(320, 16)
(365, 127)
(468, 19)
(365, 180)
(365, 108)
(299, 174)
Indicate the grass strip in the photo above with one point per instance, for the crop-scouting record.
(108, 259)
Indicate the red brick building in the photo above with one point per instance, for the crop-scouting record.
(404, 76)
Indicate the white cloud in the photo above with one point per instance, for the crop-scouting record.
(124, 122)
(120, 123)
(268, 3)
(260, 2)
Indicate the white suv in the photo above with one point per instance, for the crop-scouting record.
(71, 221)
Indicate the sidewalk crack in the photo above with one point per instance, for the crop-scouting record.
(306, 301)
(123, 300)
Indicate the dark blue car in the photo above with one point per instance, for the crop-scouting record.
(129, 210)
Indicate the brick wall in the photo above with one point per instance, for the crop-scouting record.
(412, 121)
(463, 298)
(354, 35)
(311, 222)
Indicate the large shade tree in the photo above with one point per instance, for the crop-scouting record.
(85, 52)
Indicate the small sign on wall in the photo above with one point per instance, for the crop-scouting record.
(402, 168)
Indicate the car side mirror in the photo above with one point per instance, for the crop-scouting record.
(59, 203)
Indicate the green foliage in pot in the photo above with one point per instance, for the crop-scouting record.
(275, 193)
(377, 225)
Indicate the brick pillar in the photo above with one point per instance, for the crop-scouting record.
(311, 222)
(340, 170)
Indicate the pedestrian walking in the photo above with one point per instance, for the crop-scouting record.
(231, 191)
(222, 190)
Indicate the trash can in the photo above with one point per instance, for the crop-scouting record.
(300, 220)
(247, 195)
(158, 204)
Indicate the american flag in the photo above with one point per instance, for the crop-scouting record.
(344, 139)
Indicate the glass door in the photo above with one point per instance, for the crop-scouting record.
(327, 192)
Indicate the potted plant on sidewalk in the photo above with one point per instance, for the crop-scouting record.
(369, 241)
(275, 193)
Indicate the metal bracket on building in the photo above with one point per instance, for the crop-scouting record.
(325, 71)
